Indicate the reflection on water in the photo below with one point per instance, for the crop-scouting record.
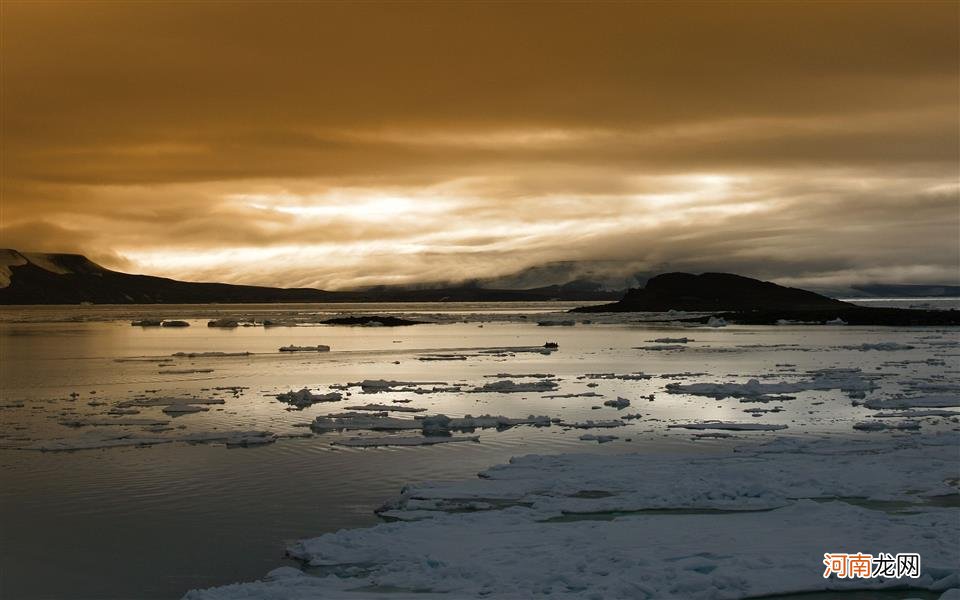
(154, 522)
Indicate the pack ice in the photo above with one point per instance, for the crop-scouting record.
(746, 524)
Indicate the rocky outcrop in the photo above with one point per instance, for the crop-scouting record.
(715, 292)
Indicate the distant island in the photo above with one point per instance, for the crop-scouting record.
(750, 301)
(41, 278)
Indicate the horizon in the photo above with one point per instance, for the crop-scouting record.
(376, 144)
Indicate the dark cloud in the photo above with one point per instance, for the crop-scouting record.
(342, 144)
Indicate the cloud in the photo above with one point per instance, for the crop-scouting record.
(339, 145)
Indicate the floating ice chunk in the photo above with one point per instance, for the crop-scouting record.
(317, 348)
(846, 381)
(880, 426)
(622, 377)
(916, 413)
(548, 348)
(113, 422)
(147, 323)
(373, 423)
(795, 322)
(352, 413)
(729, 426)
(284, 573)
(225, 322)
(231, 438)
(372, 386)
(885, 346)
(429, 424)
(371, 442)
(602, 439)
(441, 357)
(510, 386)
(522, 375)
(837, 321)
(619, 403)
(182, 409)
(592, 424)
(938, 401)
(175, 324)
(443, 423)
(716, 322)
(168, 401)
(661, 347)
(387, 407)
(208, 354)
(304, 397)
(99, 440)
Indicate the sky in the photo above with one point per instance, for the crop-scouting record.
(341, 145)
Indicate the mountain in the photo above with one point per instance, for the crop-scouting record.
(900, 290)
(36, 278)
(753, 302)
(713, 292)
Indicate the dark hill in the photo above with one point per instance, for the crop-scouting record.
(34, 278)
(754, 302)
(715, 292)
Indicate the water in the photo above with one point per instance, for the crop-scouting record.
(154, 522)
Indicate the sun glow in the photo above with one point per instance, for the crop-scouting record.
(354, 207)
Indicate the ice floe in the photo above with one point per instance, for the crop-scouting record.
(183, 408)
(510, 386)
(937, 401)
(883, 346)
(386, 407)
(208, 354)
(845, 381)
(916, 413)
(882, 425)
(602, 439)
(428, 424)
(304, 397)
(372, 442)
(725, 425)
(619, 403)
(592, 424)
(317, 348)
(98, 440)
(112, 422)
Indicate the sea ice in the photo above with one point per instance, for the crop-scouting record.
(371, 442)
(387, 407)
(887, 346)
(619, 403)
(568, 526)
(845, 381)
(880, 426)
(317, 348)
(509, 386)
(304, 397)
(729, 426)
(939, 401)
(602, 439)
(716, 322)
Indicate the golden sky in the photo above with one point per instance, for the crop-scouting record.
(348, 144)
